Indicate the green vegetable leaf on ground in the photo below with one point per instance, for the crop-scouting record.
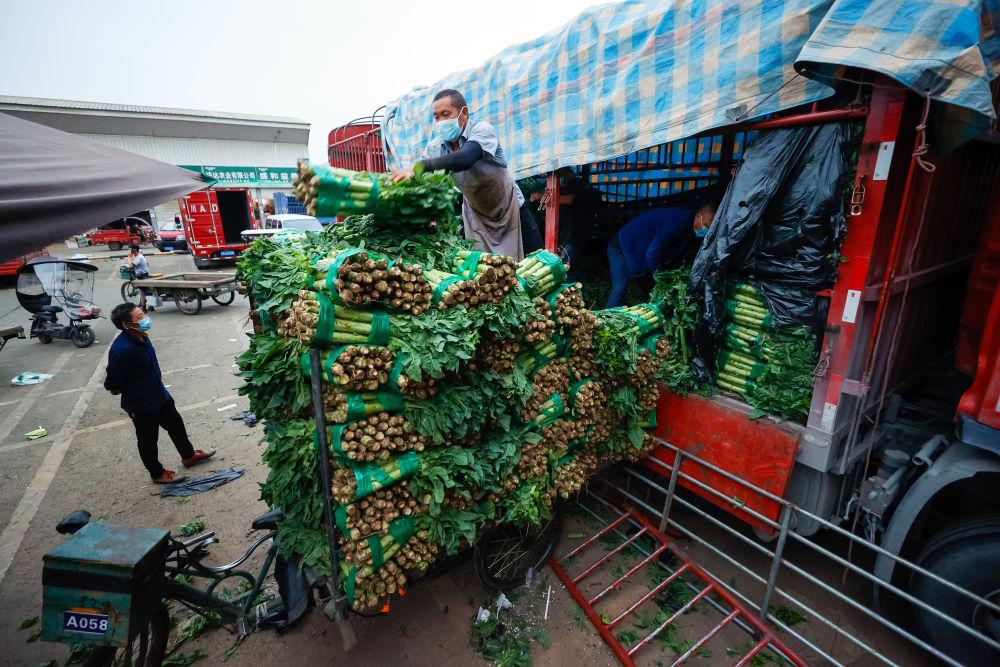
(189, 529)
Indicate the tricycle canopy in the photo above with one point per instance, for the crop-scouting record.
(70, 283)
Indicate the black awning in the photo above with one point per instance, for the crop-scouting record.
(54, 184)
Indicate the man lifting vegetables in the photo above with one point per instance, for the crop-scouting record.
(470, 150)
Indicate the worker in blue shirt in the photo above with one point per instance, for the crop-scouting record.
(651, 242)
(134, 372)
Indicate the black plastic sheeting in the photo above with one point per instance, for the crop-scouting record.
(779, 226)
(54, 185)
(196, 485)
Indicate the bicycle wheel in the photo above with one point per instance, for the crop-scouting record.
(131, 293)
(505, 554)
(148, 647)
(225, 299)
(188, 302)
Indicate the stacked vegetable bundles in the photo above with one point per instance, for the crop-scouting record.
(461, 389)
(771, 367)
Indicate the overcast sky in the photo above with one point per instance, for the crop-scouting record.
(323, 62)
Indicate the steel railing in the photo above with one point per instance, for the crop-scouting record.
(639, 486)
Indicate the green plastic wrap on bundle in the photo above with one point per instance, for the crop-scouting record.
(551, 410)
(440, 287)
(355, 481)
(738, 364)
(540, 272)
(647, 316)
(650, 421)
(344, 326)
(327, 360)
(383, 547)
(533, 357)
(364, 404)
(650, 341)
(343, 192)
(326, 267)
(465, 263)
(399, 528)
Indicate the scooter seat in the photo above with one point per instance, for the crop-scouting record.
(50, 309)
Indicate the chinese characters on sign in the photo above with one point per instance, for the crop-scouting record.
(255, 177)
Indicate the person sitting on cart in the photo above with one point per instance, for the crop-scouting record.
(136, 262)
(653, 241)
(134, 372)
(470, 150)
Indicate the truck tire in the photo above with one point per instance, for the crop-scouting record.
(201, 264)
(965, 553)
(114, 245)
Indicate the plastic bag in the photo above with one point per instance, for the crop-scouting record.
(779, 225)
(196, 485)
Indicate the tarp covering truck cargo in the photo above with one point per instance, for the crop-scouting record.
(54, 185)
(620, 77)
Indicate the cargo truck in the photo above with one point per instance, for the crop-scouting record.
(902, 441)
(213, 221)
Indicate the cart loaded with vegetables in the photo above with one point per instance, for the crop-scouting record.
(421, 397)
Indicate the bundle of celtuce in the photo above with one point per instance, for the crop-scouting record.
(328, 191)
(460, 389)
(771, 367)
(357, 277)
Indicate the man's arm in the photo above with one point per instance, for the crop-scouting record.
(114, 381)
(663, 243)
(459, 160)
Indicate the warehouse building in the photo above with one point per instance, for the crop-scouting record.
(240, 150)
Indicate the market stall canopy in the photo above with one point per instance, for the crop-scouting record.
(54, 184)
(621, 77)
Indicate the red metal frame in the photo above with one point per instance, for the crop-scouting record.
(761, 451)
(357, 146)
(711, 587)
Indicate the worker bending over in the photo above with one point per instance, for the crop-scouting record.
(471, 152)
(652, 242)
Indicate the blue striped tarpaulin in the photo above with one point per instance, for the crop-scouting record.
(948, 49)
(620, 77)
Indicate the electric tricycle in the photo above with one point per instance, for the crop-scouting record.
(70, 284)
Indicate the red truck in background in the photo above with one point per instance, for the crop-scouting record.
(120, 233)
(10, 267)
(213, 220)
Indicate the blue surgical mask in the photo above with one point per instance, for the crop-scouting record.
(701, 232)
(145, 324)
(448, 129)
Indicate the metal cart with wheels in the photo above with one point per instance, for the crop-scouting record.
(9, 333)
(187, 290)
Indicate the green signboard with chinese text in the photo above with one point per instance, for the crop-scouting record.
(246, 177)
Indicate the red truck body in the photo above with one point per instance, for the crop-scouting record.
(213, 220)
(9, 268)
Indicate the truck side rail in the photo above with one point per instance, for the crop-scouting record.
(755, 579)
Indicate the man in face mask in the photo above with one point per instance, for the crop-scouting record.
(470, 151)
(134, 372)
(653, 241)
